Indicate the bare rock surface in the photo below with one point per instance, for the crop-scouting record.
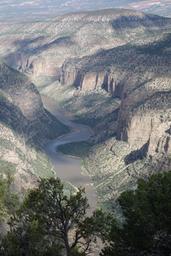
(24, 126)
(111, 69)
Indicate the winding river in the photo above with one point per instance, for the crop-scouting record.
(68, 168)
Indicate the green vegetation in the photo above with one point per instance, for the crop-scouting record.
(7, 167)
(52, 223)
(6, 143)
(2, 96)
(161, 47)
(147, 226)
(55, 223)
(43, 81)
(41, 166)
(80, 149)
(91, 122)
(87, 108)
(57, 129)
(8, 200)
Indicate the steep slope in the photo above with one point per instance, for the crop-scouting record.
(129, 73)
(24, 126)
(41, 48)
(24, 101)
(112, 70)
(139, 76)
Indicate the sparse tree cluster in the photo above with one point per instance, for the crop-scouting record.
(53, 222)
(146, 229)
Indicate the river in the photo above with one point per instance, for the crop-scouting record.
(68, 168)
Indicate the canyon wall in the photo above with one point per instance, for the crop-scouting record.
(117, 64)
(24, 126)
(40, 48)
(141, 81)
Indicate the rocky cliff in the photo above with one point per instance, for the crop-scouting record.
(138, 75)
(24, 126)
(22, 108)
(140, 79)
(116, 65)
(44, 46)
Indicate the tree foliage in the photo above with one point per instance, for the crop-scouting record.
(8, 200)
(147, 226)
(51, 222)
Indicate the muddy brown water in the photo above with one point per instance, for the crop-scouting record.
(69, 168)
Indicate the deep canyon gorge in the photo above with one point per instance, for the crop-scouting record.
(109, 70)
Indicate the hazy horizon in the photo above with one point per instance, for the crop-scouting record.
(40, 9)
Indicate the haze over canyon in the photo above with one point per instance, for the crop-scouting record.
(24, 10)
(85, 96)
(107, 69)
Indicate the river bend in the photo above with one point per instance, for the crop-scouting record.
(68, 168)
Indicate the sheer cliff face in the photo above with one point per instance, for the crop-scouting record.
(140, 78)
(22, 108)
(21, 92)
(149, 123)
(42, 47)
(123, 53)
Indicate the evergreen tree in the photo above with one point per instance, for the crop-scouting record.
(51, 222)
(147, 226)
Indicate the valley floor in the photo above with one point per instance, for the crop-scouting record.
(103, 156)
(68, 168)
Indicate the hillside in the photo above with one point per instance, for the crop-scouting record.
(24, 126)
(111, 69)
(41, 48)
(139, 77)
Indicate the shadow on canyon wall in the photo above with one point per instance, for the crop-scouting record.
(130, 61)
(132, 22)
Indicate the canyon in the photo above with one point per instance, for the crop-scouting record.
(24, 127)
(111, 70)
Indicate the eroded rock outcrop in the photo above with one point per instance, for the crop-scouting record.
(140, 77)
(43, 47)
(22, 108)
(24, 126)
(120, 54)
